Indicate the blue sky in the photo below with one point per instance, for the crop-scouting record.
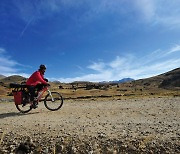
(89, 40)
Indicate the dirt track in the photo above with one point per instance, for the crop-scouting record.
(148, 125)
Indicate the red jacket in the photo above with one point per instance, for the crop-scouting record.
(36, 78)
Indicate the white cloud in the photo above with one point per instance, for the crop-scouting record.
(104, 76)
(97, 66)
(6, 60)
(120, 67)
(174, 49)
(131, 66)
(118, 62)
(9, 66)
(6, 69)
(156, 12)
(7, 63)
(26, 26)
(166, 13)
(146, 8)
(161, 12)
(2, 50)
(121, 62)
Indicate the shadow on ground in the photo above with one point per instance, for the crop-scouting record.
(15, 114)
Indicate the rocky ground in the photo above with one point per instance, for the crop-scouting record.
(143, 125)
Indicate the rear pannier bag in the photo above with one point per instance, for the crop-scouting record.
(17, 97)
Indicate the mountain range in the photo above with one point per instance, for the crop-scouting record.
(122, 80)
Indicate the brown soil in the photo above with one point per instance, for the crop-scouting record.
(142, 125)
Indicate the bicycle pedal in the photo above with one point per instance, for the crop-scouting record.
(34, 106)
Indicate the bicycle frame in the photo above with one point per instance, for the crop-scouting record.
(40, 94)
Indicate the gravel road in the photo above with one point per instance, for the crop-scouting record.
(143, 125)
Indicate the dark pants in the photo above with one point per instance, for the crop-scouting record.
(33, 90)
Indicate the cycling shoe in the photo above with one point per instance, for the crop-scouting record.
(34, 105)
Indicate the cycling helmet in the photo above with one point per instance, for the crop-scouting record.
(42, 67)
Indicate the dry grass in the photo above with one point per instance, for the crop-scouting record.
(114, 92)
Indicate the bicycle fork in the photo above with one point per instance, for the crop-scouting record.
(51, 95)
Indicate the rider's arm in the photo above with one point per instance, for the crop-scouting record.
(40, 79)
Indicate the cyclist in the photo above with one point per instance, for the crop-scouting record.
(36, 81)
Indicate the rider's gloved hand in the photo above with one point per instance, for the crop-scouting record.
(48, 84)
(46, 80)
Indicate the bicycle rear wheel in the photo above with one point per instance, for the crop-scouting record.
(53, 103)
(24, 109)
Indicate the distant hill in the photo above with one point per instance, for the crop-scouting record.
(12, 79)
(168, 80)
(2, 76)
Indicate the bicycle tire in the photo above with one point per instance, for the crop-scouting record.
(24, 109)
(53, 105)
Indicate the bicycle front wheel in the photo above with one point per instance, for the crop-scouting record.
(54, 101)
